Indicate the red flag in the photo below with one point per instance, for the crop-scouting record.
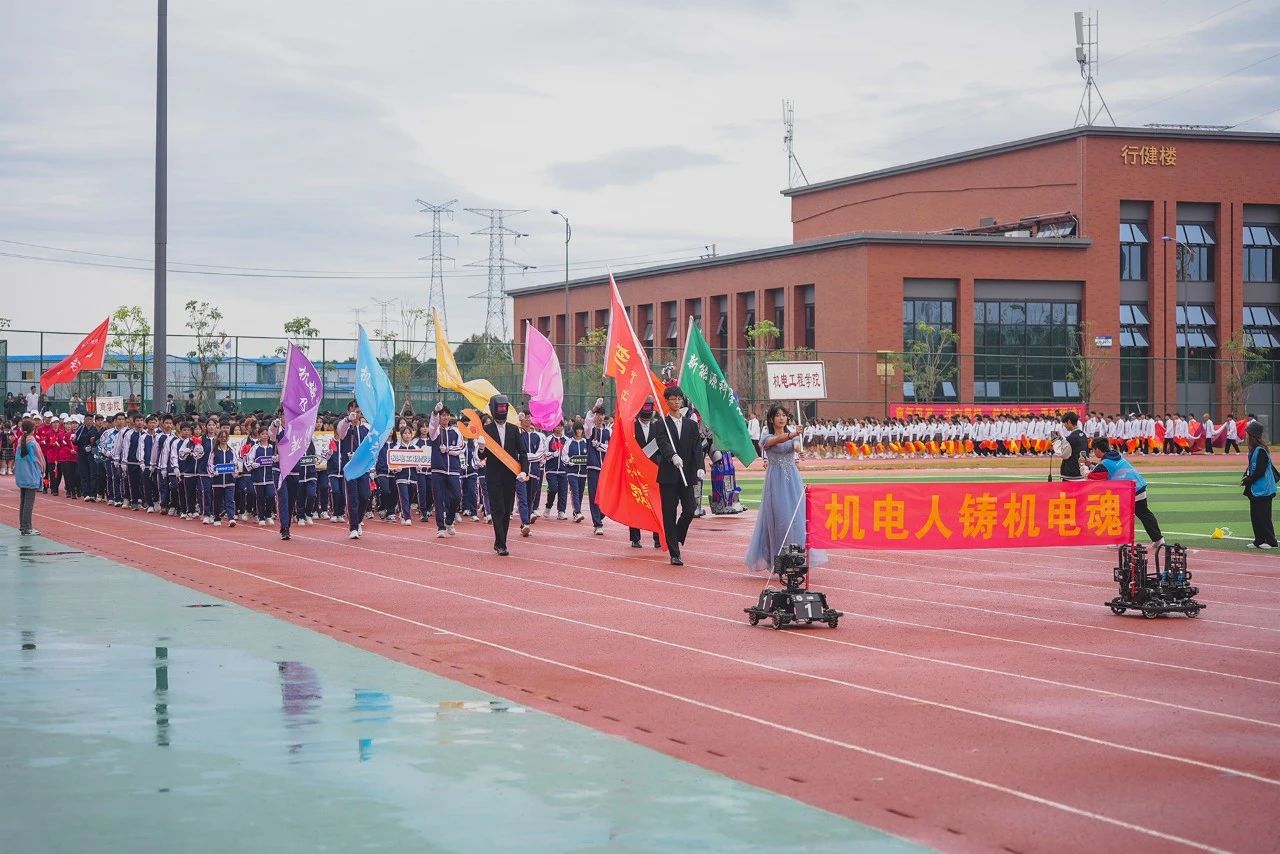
(87, 356)
(629, 482)
(628, 478)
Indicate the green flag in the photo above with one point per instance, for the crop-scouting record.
(705, 387)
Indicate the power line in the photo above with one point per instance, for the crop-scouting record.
(1203, 85)
(1165, 38)
(685, 253)
(1255, 118)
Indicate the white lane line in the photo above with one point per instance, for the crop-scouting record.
(750, 664)
(866, 751)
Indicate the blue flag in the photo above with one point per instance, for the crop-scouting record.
(377, 402)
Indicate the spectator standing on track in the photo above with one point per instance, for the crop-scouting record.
(1259, 484)
(1113, 466)
(28, 474)
(1076, 448)
(753, 430)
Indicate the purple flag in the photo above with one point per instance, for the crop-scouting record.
(300, 398)
(542, 381)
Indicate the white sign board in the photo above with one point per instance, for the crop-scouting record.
(403, 458)
(796, 380)
(110, 405)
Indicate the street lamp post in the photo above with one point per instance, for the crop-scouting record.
(568, 235)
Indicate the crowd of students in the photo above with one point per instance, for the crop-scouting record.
(1010, 435)
(223, 470)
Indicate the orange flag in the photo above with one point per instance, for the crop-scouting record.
(87, 356)
(628, 478)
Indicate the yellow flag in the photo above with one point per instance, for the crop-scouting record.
(477, 392)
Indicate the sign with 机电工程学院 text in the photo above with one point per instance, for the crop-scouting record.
(919, 516)
(796, 380)
(405, 458)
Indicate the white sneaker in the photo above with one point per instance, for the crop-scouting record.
(262, 523)
(1157, 544)
(208, 520)
(561, 516)
(442, 533)
(524, 530)
(337, 520)
(578, 517)
(1253, 546)
(599, 532)
(324, 515)
(537, 514)
(354, 535)
(217, 523)
(360, 528)
(451, 531)
(1266, 546)
(406, 522)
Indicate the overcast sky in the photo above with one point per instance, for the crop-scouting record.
(300, 133)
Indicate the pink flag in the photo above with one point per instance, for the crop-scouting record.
(300, 398)
(542, 380)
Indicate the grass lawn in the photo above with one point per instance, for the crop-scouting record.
(1188, 503)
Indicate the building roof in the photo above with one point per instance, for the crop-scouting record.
(1032, 142)
(861, 238)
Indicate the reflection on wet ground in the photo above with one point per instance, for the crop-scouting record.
(137, 715)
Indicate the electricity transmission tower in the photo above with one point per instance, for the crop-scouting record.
(384, 332)
(495, 296)
(435, 291)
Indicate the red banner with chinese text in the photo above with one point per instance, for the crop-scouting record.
(919, 516)
(972, 410)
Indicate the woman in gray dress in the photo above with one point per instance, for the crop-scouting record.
(780, 520)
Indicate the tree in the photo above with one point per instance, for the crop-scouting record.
(300, 331)
(929, 360)
(5, 323)
(593, 344)
(1083, 363)
(1244, 366)
(202, 320)
(130, 332)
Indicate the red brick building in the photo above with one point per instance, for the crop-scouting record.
(1159, 245)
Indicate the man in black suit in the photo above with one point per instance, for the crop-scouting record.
(646, 429)
(500, 479)
(679, 468)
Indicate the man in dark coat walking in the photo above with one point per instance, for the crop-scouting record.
(500, 479)
(679, 468)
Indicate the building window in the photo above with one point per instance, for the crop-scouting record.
(1135, 351)
(748, 319)
(1195, 252)
(1133, 251)
(1020, 350)
(780, 315)
(28, 375)
(810, 318)
(1261, 245)
(1262, 331)
(918, 316)
(1197, 345)
(721, 332)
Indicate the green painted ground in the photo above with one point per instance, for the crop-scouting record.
(1188, 503)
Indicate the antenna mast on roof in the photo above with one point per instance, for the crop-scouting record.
(788, 138)
(1087, 57)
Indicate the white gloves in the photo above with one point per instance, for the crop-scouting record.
(439, 406)
(677, 462)
(701, 474)
(522, 477)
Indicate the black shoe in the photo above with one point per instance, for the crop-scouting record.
(657, 544)
(635, 544)
(284, 535)
(502, 552)
(675, 561)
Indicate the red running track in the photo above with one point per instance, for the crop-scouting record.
(969, 701)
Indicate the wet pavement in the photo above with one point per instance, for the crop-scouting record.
(137, 715)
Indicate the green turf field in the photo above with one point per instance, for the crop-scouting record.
(1189, 504)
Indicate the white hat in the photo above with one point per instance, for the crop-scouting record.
(48, 414)
(62, 417)
(78, 418)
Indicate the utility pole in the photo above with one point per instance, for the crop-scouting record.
(495, 296)
(160, 266)
(435, 290)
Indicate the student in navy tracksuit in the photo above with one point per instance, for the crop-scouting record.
(557, 486)
(406, 477)
(469, 462)
(85, 437)
(159, 465)
(598, 437)
(264, 463)
(422, 474)
(222, 467)
(352, 431)
(308, 478)
(386, 480)
(529, 491)
(187, 465)
(207, 443)
(337, 484)
(447, 448)
(574, 458)
(134, 464)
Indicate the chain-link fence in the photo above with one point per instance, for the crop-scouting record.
(245, 373)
